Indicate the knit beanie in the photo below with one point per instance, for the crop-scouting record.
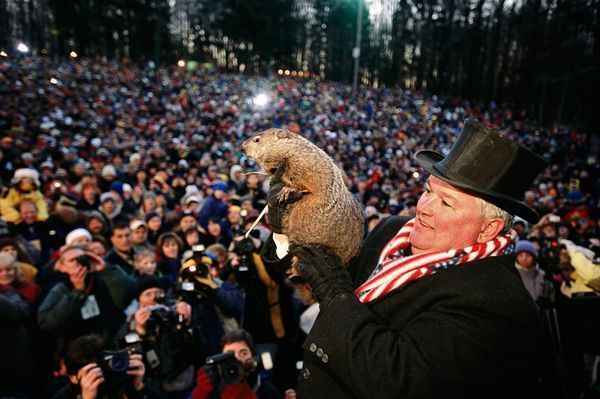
(145, 282)
(77, 233)
(526, 246)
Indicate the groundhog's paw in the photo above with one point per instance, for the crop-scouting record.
(288, 195)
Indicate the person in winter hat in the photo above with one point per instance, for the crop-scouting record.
(25, 187)
(534, 278)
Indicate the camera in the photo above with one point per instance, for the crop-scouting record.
(114, 362)
(231, 371)
(84, 261)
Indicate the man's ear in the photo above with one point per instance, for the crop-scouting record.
(490, 230)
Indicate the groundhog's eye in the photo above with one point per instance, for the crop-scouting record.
(256, 139)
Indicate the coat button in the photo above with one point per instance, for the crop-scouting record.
(325, 358)
(305, 373)
(319, 352)
(312, 347)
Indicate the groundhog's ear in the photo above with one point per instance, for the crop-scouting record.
(282, 134)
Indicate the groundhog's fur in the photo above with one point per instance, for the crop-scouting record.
(327, 215)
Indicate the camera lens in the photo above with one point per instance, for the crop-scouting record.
(117, 362)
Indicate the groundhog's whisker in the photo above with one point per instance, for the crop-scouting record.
(262, 214)
(254, 173)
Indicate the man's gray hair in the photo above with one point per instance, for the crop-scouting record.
(491, 211)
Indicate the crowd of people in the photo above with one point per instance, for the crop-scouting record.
(126, 199)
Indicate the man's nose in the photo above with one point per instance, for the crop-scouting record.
(425, 204)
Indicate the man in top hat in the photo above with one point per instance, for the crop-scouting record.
(431, 307)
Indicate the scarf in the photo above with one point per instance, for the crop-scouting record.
(395, 270)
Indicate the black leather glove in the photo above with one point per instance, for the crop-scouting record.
(324, 272)
(279, 197)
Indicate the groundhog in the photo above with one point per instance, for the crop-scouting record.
(327, 215)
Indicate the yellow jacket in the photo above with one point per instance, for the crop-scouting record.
(9, 205)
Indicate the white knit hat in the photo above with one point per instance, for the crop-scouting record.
(77, 233)
(26, 172)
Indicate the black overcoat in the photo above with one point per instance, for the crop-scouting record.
(471, 331)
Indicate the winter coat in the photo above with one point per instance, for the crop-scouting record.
(458, 333)
(9, 205)
(61, 310)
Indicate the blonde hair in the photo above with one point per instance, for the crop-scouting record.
(142, 254)
(7, 261)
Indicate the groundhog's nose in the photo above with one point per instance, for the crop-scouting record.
(244, 146)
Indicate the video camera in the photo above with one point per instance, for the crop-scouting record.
(194, 280)
(231, 371)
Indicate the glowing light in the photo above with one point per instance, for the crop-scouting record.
(53, 81)
(261, 100)
(280, 71)
(22, 47)
(181, 63)
(294, 73)
(3, 54)
(73, 54)
(279, 88)
(416, 175)
(287, 72)
(300, 73)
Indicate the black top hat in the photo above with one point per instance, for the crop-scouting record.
(488, 165)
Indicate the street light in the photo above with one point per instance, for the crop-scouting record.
(356, 49)
(22, 48)
(181, 63)
(73, 54)
(3, 53)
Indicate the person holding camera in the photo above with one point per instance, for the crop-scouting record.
(161, 327)
(90, 297)
(234, 374)
(94, 373)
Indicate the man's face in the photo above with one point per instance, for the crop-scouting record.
(525, 259)
(95, 226)
(108, 206)
(148, 297)
(10, 249)
(446, 219)
(121, 239)
(28, 213)
(241, 350)
(139, 235)
(69, 262)
(187, 222)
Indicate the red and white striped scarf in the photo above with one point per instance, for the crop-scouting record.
(395, 270)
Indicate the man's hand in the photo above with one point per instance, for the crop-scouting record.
(141, 318)
(324, 272)
(98, 264)
(184, 309)
(90, 378)
(279, 196)
(137, 370)
(77, 277)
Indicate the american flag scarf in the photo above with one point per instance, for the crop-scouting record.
(395, 270)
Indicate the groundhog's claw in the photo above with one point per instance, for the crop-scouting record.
(288, 195)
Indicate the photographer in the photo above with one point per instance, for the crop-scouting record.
(94, 373)
(234, 375)
(216, 303)
(268, 313)
(89, 299)
(161, 327)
